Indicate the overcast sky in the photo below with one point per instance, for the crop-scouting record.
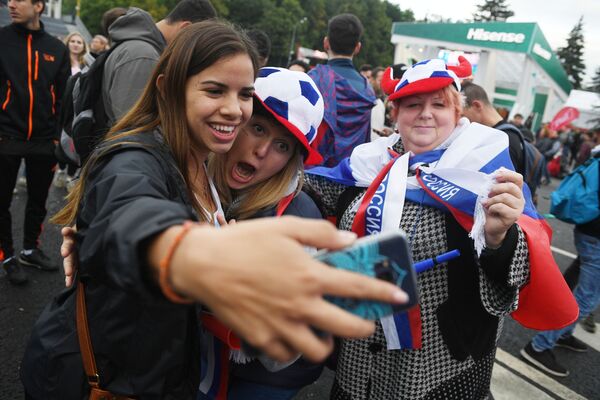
(556, 18)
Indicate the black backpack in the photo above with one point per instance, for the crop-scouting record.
(533, 160)
(83, 119)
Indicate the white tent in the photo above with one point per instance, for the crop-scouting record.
(588, 105)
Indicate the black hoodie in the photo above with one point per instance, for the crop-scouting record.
(34, 68)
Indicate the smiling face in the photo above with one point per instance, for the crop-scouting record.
(262, 149)
(218, 101)
(76, 45)
(425, 120)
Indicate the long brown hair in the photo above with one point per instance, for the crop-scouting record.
(195, 48)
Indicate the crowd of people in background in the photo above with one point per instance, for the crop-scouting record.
(202, 132)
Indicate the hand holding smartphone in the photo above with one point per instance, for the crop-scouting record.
(385, 256)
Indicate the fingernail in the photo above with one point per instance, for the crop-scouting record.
(347, 236)
(399, 296)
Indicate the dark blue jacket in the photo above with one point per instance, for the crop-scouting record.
(302, 372)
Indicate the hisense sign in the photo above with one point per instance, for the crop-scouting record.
(492, 36)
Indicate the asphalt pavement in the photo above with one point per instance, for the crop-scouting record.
(513, 378)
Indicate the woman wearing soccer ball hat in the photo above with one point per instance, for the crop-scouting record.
(262, 176)
(450, 185)
(264, 167)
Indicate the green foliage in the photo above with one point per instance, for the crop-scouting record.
(493, 10)
(309, 17)
(92, 10)
(571, 56)
(595, 84)
(278, 19)
(278, 22)
(376, 15)
(396, 14)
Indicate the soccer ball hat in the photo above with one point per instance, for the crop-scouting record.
(295, 101)
(425, 77)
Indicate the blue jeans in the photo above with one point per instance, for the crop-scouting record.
(587, 292)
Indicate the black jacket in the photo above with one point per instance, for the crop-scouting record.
(515, 148)
(145, 346)
(34, 67)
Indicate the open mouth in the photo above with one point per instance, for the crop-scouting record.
(243, 172)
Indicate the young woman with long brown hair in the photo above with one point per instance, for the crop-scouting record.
(143, 266)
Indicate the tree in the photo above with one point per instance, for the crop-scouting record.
(595, 84)
(92, 10)
(377, 17)
(278, 19)
(278, 22)
(595, 87)
(493, 10)
(571, 56)
(396, 14)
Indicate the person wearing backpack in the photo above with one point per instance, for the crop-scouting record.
(95, 99)
(138, 43)
(527, 160)
(518, 122)
(34, 67)
(587, 242)
(549, 146)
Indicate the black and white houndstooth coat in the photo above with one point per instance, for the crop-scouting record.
(462, 306)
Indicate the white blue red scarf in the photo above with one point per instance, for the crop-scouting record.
(220, 345)
(454, 177)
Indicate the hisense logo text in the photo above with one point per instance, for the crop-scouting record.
(490, 36)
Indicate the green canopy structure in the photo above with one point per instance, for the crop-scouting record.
(512, 61)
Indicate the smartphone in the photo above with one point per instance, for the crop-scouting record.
(385, 256)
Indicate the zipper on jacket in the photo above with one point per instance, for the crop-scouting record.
(36, 66)
(5, 104)
(53, 99)
(30, 86)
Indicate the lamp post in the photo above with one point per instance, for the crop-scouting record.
(303, 20)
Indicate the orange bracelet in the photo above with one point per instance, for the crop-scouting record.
(165, 264)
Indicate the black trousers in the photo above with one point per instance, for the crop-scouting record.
(39, 170)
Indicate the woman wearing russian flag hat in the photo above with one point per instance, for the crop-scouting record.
(449, 184)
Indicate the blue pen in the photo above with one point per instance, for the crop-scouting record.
(424, 265)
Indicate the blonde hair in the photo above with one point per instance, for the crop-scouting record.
(80, 56)
(195, 48)
(266, 194)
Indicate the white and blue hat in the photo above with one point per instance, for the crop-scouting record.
(295, 101)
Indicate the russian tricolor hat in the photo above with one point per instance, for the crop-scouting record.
(295, 101)
(425, 77)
